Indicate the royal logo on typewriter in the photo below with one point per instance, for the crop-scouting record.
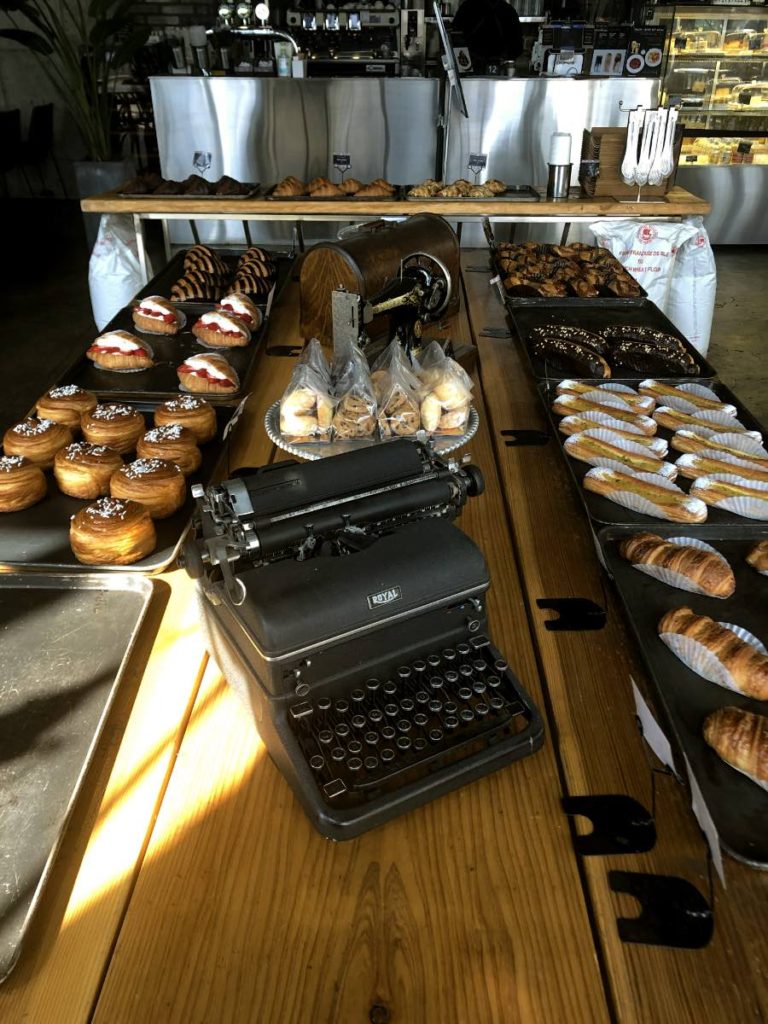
(383, 597)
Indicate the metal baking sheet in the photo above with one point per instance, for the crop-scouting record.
(306, 198)
(38, 537)
(594, 317)
(54, 702)
(160, 382)
(313, 451)
(738, 807)
(513, 194)
(568, 301)
(252, 193)
(602, 511)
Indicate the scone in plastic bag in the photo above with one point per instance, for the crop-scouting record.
(446, 393)
(355, 416)
(396, 389)
(306, 408)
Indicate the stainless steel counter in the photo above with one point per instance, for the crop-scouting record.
(739, 197)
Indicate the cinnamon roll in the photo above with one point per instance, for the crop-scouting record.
(114, 424)
(191, 412)
(83, 470)
(66, 404)
(22, 483)
(112, 532)
(172, 442)
(38, 440)
(158, 484)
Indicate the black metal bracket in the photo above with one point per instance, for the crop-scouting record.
(495, 332)
(620, 824)
(575, 614)
(674, 913)
(519, 438)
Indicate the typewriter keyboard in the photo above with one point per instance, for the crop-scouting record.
(389, 731)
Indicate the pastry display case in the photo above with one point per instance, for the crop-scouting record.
(716, 72)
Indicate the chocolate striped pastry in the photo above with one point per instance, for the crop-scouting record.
(251, 284)
(254, 252)
(648, 357)
(570, 357)
(256, 268)
(577, 334)
(630, 332)
(196, 284)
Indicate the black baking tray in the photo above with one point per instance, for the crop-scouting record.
(739, 808)
(252, 193)
(602, 511)
(596, 316)
(160, 382)
(38, 537)
(54, 703)
(567, 301)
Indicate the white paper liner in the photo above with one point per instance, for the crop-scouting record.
(611, 399)
(690, 461)
(643, 403)
(678, 579)
(164, 334)
(665, 469)
(644, 424)
(720, 423)
(744, 442)
(599, 419)
(683, 404)
(215, 348)
(704, 662)
(637, 503)
(740, 504)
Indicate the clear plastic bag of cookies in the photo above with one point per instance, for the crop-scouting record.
(446, 393)
(306, 408)
(355, 415)
(312, 355)
(397, 392)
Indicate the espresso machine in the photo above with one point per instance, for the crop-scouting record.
(363, 40)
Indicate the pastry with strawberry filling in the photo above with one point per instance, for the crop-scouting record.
(120, 350)
(208, 374)
(243, 308)
(220, 329)
(157, 315)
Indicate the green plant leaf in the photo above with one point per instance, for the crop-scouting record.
(33, 15)
(31, 40)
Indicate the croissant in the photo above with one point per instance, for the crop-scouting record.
(741, 739)
(289, 189)
(708, 572)
(351, 186)
(747, 666)
(317, 183)
(758, 556)
(383, 183)
(373, 191)
(326, 189)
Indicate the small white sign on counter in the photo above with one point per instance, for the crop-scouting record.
(706, 824)
(652, 732)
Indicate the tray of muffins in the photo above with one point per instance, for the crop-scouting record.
(291, 188)
(196, 327)
(150, 185)
(104, 485)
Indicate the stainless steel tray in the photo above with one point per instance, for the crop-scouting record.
(394, 197)
(38, 537)
(253, 190)
(514, 194)
(321, 450)
(54, 702)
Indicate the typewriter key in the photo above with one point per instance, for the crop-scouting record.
(407, 705)
(463, 650)
(449, 708)
(403, 743)
(317, 762)
(372, 685)
(435, 735)
(341, 706)
(419, 667)
(422, 697)
(354, 747)
(435, 683)
(391, 710)
(451, 722)
(342, 730)
(479, 686)
(435, 706)
(451, 677)
(479, 666)
(420, 719)
(466, 671)
(449, 655)
(419, 744)
(433, 661)
(404, 725)
(371, 738)
(481, 709)
(465, 693)
(301, 710)
(501, 666)
(326, 736)
(324, 704)
(375, 716)
(479, 641)
(338, 753)
(466, 715)
(358, 695)
(389, 689)
(494, 682)
(358, 721)
(403, 673)
(371, 763)
(387, 754)
(354, 764)
(388, 732)
(497, 703)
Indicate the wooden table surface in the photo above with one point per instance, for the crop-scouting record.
(677, 203)
(191, 887)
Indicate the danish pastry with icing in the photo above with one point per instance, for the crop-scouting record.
(220, 329)
(22, 483)
(38, 440)
(156, 314)
(158, 484)
(111, 531)
(83, 470)
(173, 442)
(208, 374)
(116, 425)
(191, 412)
(120, 350)
(66, 404)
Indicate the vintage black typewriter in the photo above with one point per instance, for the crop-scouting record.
(340, 600)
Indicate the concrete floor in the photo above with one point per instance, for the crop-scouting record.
(47, 317)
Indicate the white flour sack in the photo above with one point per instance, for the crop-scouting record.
(647, 249)
(691, 303)
(114, 271)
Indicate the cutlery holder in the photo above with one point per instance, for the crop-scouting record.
(602, 152)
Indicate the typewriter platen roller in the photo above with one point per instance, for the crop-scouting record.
(342, 603)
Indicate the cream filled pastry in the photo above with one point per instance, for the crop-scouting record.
(83, 470)
(158, 484)
(156, 314)
(120, 350)
(66, 404)
(113, 532)
(38, 440)
(22, 483)
(114, 424)
(191, 412)
(173, 442)
(209, 374)
(220, 329)
(243, 308)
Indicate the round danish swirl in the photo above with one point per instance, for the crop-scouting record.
(83, 470)
(38, 440)
(156, 483)
(191, 412)
(66, 404)
(173, 442)
(22, 483)
(112, 532)
(116, 425)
